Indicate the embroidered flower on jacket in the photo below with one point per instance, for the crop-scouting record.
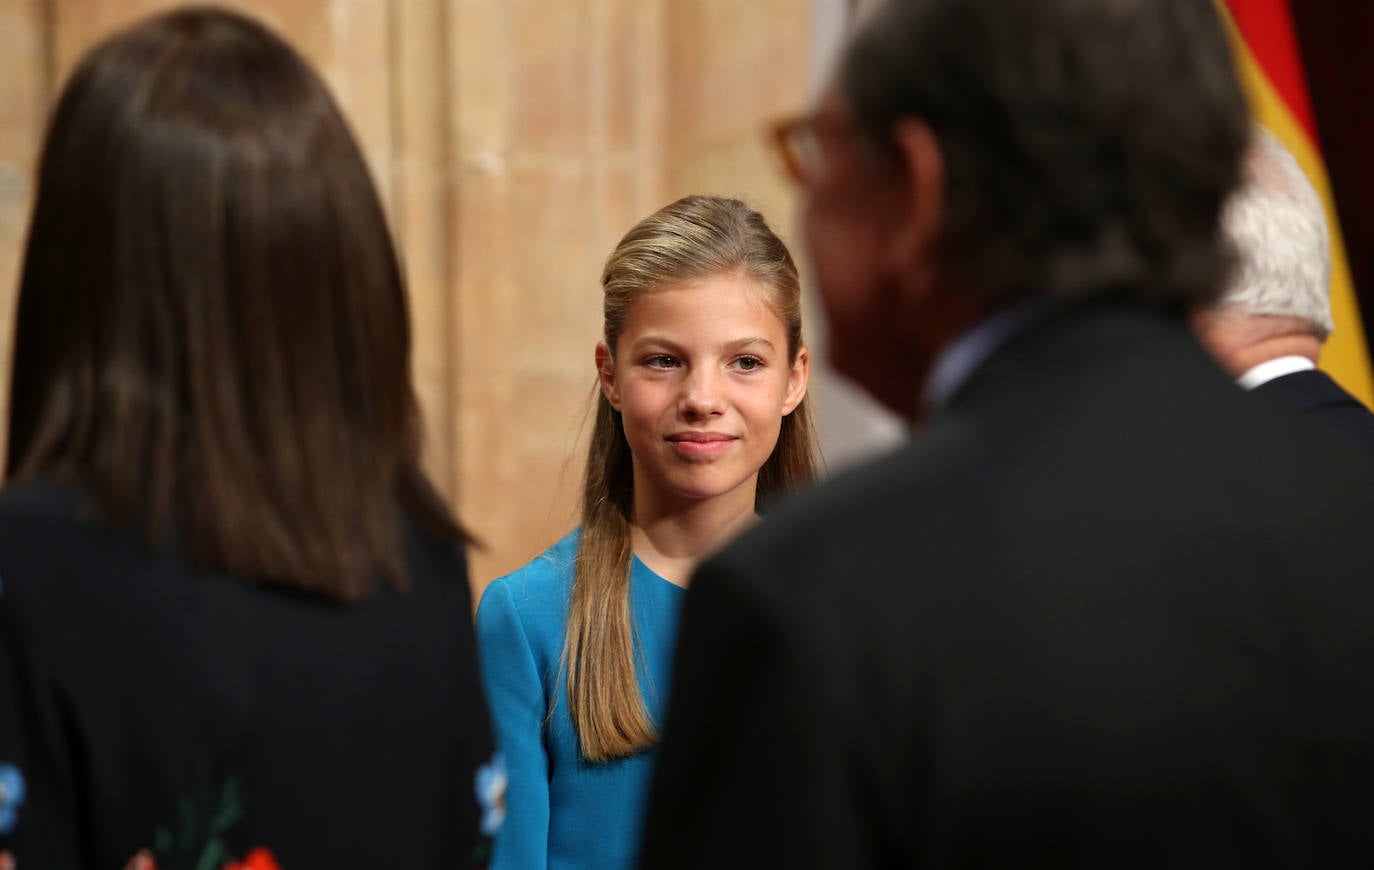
(11, 796)
(491, 794)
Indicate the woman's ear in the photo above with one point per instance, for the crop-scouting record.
(605, 373)
(796, 381)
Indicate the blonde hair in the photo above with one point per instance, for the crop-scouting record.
(693, 238)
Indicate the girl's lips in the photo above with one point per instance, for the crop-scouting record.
(700, 443)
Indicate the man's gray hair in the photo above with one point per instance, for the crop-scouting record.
(1277, 225)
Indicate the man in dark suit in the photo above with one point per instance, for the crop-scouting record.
(1269, 327)
(1104, 610)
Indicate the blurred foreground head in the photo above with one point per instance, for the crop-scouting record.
(975, 154)
(212, 331)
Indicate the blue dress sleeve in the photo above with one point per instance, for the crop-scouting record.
(518, 707)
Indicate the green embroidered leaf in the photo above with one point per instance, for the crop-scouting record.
(230, 808)
(204, 817)
(214, 856)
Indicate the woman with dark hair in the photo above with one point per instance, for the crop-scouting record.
(233, 612)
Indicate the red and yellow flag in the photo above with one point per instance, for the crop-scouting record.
(1271, 71)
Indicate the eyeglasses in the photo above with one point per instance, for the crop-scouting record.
(798, 148)
(796, 142)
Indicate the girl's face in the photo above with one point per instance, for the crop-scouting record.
(701, 378)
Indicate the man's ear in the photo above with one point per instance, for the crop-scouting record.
(916, 228)
(605, 373)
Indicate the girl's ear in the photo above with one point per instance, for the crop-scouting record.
(605, 373)
(796, 382)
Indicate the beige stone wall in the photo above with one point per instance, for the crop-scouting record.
(24, 94)
(514, 141)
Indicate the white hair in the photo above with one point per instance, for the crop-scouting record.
(1276, 224)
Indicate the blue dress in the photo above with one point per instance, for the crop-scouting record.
(562, 812)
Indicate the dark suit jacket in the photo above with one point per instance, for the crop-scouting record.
(1104, 611)
(1314, 394)
(148, 703)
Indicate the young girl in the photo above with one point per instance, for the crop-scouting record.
(700, 420)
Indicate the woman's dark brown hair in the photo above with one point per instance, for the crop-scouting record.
(212, 331)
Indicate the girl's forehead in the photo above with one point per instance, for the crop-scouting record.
(714, 303)
(736, 291)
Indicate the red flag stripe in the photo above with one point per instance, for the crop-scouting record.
(1267, 26)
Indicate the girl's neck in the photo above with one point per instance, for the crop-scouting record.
(673, 539)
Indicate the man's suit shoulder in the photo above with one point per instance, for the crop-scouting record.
(831, 522)
(1315, 396)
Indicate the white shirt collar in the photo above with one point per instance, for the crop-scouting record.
(1274, 368)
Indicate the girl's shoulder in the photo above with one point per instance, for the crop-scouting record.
(543, 583)
(527, 609)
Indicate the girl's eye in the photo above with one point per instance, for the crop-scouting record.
(660, 361)
(748, 363)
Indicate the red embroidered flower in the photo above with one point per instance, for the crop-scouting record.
(258, 859)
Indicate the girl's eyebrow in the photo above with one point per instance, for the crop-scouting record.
(655, 341)
(669, 344)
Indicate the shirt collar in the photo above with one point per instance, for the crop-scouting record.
(1274, 368)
